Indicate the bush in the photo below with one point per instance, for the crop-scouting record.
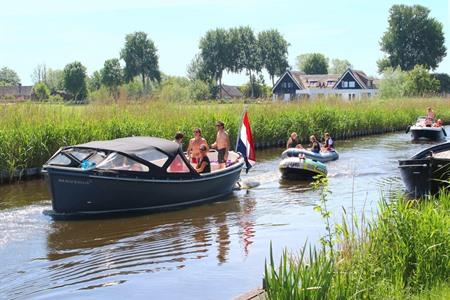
(199, 90)
(419, 82)
(41, 92)
(175, 89)
(392, 85)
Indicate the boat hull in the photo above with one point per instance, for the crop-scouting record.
(82, 194)
(322, 156)
(301, 169)
(427, 133)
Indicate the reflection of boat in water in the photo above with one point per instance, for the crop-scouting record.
(427, 171)
(421, 131)
(133, 174)
(321, 156)
(301, 168)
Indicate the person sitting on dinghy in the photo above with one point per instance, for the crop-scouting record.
(314, 146)
(430, 117)
(438, 123)
(293, 142)
(328, 145)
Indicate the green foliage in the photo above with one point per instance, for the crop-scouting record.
(39, 73)
(75, 80)
(215, 52)
(8, 77)
(401, 254)
(412, 38)
(199, 90)
(197, 70)
(31, 133)
(444, 80)
(312, 63)
(139, 54)
(175, 89)
(41, 91)
(392, 85)
(339, 66)
(273, 52)
(54, 79)
(134, 90)
(260, 89)
(419, 82)
(95, 81)
(112, 76)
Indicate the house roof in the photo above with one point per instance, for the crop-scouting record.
(16, 90)
(231, 91)
(359, 76)
(304, 81)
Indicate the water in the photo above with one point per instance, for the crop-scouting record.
(213, 251)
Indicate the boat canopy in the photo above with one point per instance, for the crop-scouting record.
(134, 145)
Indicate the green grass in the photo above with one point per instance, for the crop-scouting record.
(402, 254)
(30, 132)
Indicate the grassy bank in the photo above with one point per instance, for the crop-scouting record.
(402, 254)
(30, 133)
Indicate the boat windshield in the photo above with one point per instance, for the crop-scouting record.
(116, 161)
(153, 156)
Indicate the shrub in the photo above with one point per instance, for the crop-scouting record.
(40, 91)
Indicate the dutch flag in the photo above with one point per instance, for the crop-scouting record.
(244, 143)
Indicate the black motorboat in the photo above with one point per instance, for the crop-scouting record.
(420, 130)
(428, 171)
(133, 174)
(301, 168)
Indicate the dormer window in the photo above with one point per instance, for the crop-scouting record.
(351, 84)
(345, 84)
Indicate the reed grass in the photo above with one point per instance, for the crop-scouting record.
(30, 132)
(401, 254)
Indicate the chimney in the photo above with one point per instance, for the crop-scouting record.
(20, 89)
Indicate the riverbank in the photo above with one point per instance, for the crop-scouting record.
(401, 254)
(31, 133)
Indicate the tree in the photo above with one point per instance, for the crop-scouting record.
(338, 66)
(444, 80)
(39, 73)
(75, 80)
(54, 79)
(95, 81)
(111, 76)
(8, 77)
(215, 53)
(244, 52)
(413, 38)
(197, 70)
(41, 91)
(419, 82)
(273, 52)
(392, 84)
(312, 63)
(140, 58)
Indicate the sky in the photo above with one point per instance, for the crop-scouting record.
(58, 32)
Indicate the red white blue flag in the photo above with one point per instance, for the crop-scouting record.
(244, 143)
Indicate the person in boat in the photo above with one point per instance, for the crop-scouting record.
(328, 144)
(193, 150)
(292, 142)
(222, 144)
(179, 139)
(203, 165)
(430, 117)
(314, 146)
(438, 123)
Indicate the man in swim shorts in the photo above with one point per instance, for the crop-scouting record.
(222, 144)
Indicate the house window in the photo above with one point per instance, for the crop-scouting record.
(351, 84)
(345, 84)
(290, 85)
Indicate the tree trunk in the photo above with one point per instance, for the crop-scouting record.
(273, 80)
(143, 81)
(251, 84)
(220, 85)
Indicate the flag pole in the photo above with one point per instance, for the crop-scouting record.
(240, 126)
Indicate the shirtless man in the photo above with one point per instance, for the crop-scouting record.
(222, 144)
(193, 150)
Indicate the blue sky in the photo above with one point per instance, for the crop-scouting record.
(59, 32)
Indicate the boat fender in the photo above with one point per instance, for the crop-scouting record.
(407, 129)
(443, 130)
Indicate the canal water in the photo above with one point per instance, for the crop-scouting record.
(213, 251)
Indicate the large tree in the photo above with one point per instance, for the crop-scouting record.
(140, 58)
(8, 77)
(245, 54)
(54, 79)
(75, 80)
(112, 76)
(412, 38)
(215, 53)
(338, 66)
(39, 73)
(273, 52)
(312, 63)
(197, 70)
(419, 82)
